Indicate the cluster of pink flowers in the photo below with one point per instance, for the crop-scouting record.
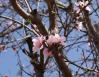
(55, 39)
(78, 8)
(39, 42)
(82, 4)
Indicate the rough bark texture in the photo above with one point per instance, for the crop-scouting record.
(91, 32)
(52, 13)
(61, 64)
(34, 19)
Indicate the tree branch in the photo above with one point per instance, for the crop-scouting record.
(91, 32)
(61, 64)
(27, 16)
(52, 13)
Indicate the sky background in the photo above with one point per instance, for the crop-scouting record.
(9, 59)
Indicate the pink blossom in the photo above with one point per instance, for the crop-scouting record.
(50, 39)
(47, 53)
(86, 3)
(59, 39)
(82, 4)
(55, 39)
(78, 11)
(76, 8)
(76, 3)
(37, 42)
(88, 8)
(80, 25)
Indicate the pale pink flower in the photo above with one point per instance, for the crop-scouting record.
(80, 25)
(50, 40)
(59, 39)
(37, 43)
(76, 8)
(88, 8)
(47, 53)
(55, 39)
(86, 3)
(78, 11)
(82, 4)
(76, 3)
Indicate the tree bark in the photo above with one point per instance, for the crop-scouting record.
(52, 13)
(25, 15)
(39, 74)
(91, 32)
(61, 64)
